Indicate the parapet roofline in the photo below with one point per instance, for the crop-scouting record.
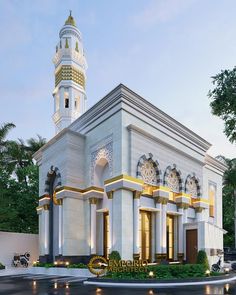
(124, 94)
(37, 154)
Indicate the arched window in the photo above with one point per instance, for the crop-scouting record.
(172, 179)
(192, 186)
(148, 170)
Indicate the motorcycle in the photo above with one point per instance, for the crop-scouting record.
(21, 259)
(216, 267)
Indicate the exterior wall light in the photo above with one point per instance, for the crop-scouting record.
(151, 274)
(208, 272)
(226, 270)
(55, 262)
(67, 263)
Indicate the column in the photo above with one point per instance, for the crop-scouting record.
(158, 254)
(60, 225)
(136, 249)
(46, 229)
(199, 214)
(110, 208)
(164, 237)
(93, 225)
(181, 234)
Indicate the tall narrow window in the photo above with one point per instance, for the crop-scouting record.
(170, 237)
(212, 196)
(106, 234)
(145, 226)
(66, 103)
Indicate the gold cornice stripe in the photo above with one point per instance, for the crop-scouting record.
(68, 188)
(123, 177)
(78, 190)
(183, 195)
(94, 188)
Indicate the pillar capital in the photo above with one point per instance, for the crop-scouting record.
(93, 201)
(162, 200)
(110, 195)
(182, 201)
(46, 207)
(137, 194)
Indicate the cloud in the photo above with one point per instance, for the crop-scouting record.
(160, 11)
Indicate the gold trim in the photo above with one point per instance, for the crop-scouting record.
(123, 177)
(94, 188)
(68, 72)
(110, 195)
(161, 200)
(163, 188)
(183, 195)
(68, 188)
(137, 194)
(93, 201)
(46, 207)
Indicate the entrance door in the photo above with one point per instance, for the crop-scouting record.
(191, 245)
(105, 234)
(145, 227)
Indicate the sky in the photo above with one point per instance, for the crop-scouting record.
(164, 50)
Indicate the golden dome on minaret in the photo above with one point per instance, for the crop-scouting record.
(70, 20)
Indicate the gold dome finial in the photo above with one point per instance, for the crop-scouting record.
(70, 20)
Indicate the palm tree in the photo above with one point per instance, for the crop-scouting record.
(4, 130)
(34, 144)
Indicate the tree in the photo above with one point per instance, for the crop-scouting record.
(18, 183)
(229, 201)
(223, 102)
(4, 130)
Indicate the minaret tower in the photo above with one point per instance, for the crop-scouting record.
(70, 76)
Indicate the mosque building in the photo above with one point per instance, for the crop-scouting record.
(122, 175)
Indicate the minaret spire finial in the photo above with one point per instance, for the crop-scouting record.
(70, 12)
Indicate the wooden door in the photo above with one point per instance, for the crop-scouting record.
(191, 245)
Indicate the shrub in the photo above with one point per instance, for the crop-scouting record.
(2, 266)
(78, 265)
(115, 255)
(202, 259)
(163, 272)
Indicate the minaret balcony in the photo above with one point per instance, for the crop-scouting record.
(69, 54)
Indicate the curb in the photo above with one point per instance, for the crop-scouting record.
(156, 284)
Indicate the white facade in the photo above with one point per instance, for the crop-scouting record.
(126, 176)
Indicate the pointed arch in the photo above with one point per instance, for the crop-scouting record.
(192, 185)
(149, 170)
(172, 179)
(53, 179)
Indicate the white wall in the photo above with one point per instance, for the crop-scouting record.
(11, 243)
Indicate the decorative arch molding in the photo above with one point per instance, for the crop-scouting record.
(149, 170)
(173, 179)
(102, 153)
(192, 185)
(53, 178)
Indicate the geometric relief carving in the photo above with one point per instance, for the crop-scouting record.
(192, 186)
(173, 181)
(105, 152)
(148, 170)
